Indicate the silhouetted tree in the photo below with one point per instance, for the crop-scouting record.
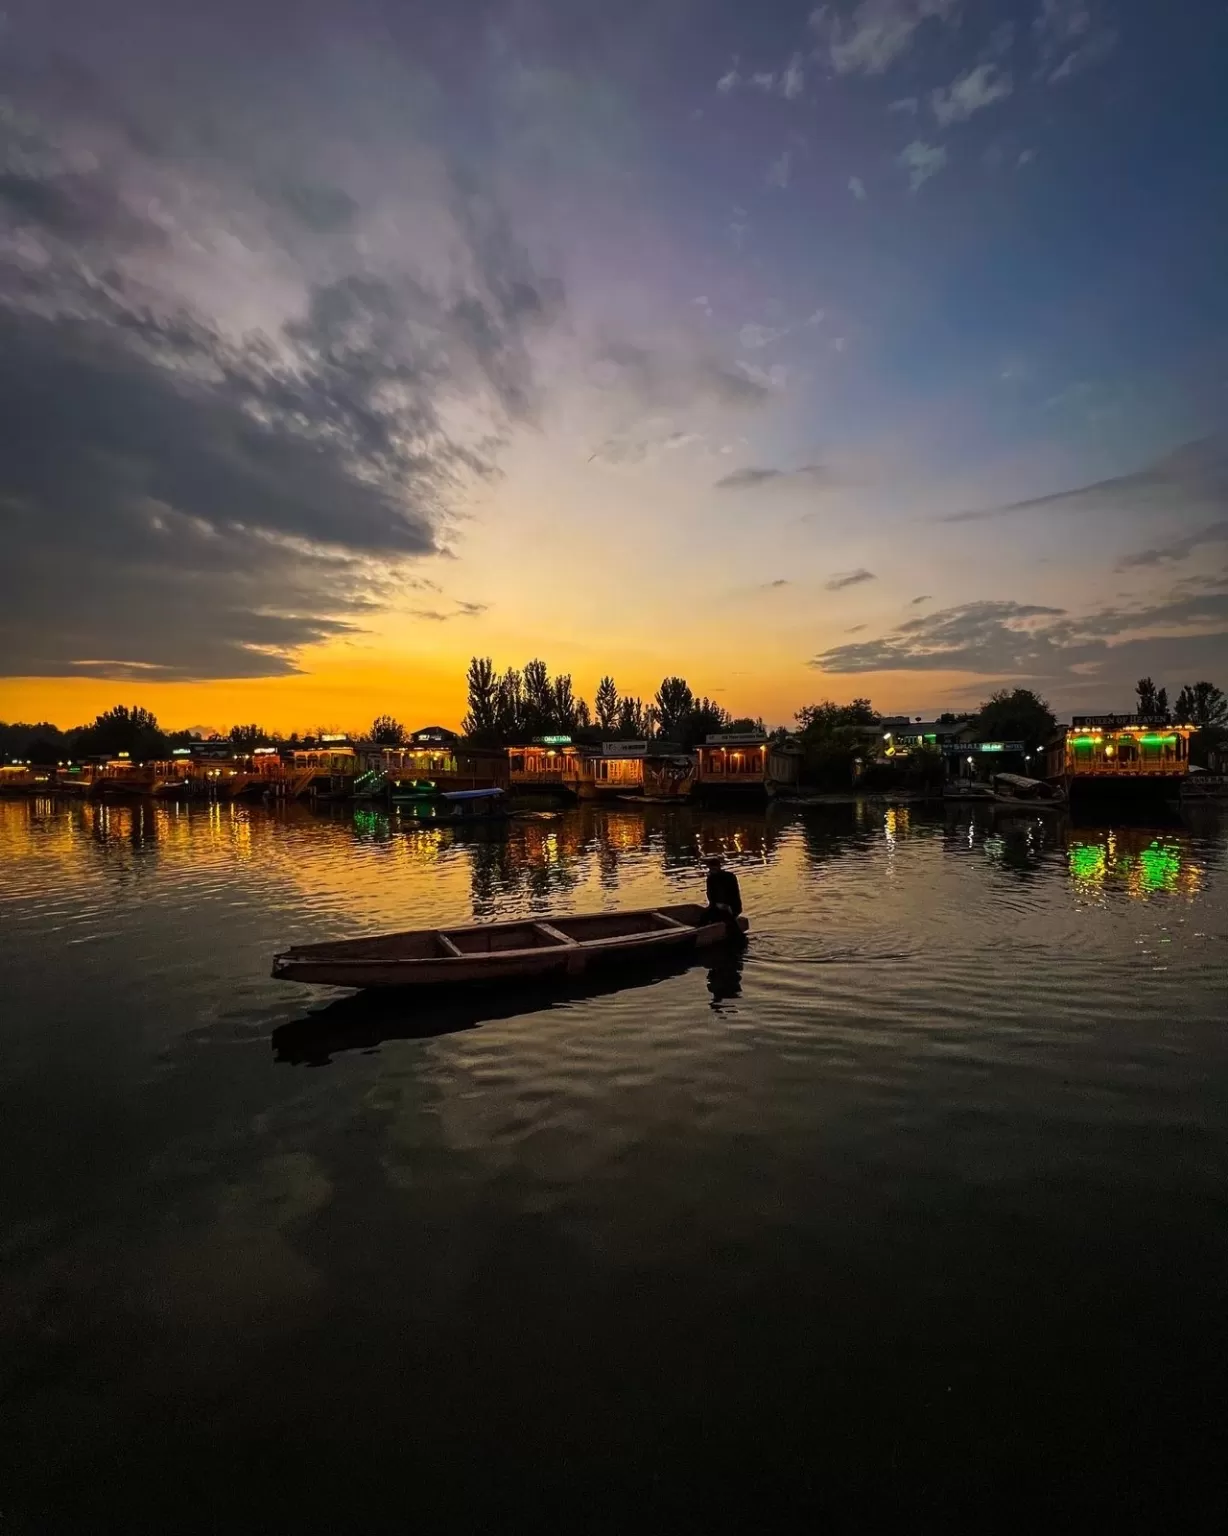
(245, 737)
(1202, 704)
(674, 703)
(538, 705)
(482, 721)
(705, 718)
(584, 715)
(745, 723)
(1162, 703)
(42, 743)
(631, 723)
(387, 732)
(606, 700)
(134, 731)
(1145, 689)
(822, 718)
(566, 714)
(1016, 715)
(509, 707)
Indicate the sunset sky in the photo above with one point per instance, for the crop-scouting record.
(873, 349)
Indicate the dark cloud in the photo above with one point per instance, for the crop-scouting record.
(1184, 483)
(183, 499)
(842, 579)
(751, 478)
(917, 601)
(461, 611)
(1097, 654)
(1179, 548)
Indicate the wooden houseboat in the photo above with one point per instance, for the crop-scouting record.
(1130, 760)
(745, 766)
(550, 767)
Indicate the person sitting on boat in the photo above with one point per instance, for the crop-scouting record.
(724, 895)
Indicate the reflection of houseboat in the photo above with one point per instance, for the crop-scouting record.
(1131, 760)
(1200, 787)
(745, 766)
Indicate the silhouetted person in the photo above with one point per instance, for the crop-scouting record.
(724, 896)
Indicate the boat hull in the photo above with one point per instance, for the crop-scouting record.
(665, 933)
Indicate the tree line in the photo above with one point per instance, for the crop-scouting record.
(1200, 704)
(521, 705)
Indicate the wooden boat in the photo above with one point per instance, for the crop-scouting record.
(1012, 789)
(503, 952)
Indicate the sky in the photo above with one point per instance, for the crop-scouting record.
(873, 349)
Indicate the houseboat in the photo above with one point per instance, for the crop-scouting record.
(745, 766)
(1131, 761)
(550, 767)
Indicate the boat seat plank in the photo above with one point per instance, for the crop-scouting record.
(448, 945)
(666, 921)
(553, 933)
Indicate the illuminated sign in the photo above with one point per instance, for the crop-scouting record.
(737, 739)
(339, 737)
(555, 741)
(427, 737)
(182, 752)
(623, 748)
(1115, 722)
(955, 748)
(265, 752)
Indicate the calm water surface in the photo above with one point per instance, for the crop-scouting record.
(919, 1204)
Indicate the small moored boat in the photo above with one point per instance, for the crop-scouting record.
(503, 952)
(1028, 794)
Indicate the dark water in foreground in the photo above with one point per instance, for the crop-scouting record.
(922, 1205)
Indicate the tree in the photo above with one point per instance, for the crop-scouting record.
(1146, 691)
(823, 718)
(509, 707)
(584, 715)
(705, 719)
(1015, 715)
(565, 711)
(1202, 704)
(1162, 703)
(606, 700)
(387, 732)
(538, 708)
(674, 703)
(134, 731)
(746, 724)
(632, 725)
(482, 721)
(246, 737)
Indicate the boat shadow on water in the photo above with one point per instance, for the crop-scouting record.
(363, 1021)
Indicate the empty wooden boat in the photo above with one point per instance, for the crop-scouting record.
(527, 950)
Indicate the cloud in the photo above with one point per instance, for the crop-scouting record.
(813, 475)
(877, 32)
(754, 336)
(924, 598)
(647, 441)
(858, 188)
(904, 104)
(763, 80)
(1190, 483)
(1175, 550)
(1069, 40)
(673, 374)
(779, 582)
(461, 611)
(1105, 650)
(971, 92)
(728, 81)
(855, 629)
(779, 170)
(817, 317)
(1026, 156)
(921, 161)
(842, 579)
(192, 498)
(792, 79)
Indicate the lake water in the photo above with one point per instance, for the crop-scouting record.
(920, 1204)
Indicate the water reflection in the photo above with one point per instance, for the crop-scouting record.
(1134, 860)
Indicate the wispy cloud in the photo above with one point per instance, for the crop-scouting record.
(763, 80)
(842, 579)
(754, 336)
(1069, 39)
(753, 477)
(779, 170)
(876, 33)
(729, 80)
(924, 598)
(921, 161)
(971, 92)
(904, 104)
(461, 611)
(858, 188)
(793, 79)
